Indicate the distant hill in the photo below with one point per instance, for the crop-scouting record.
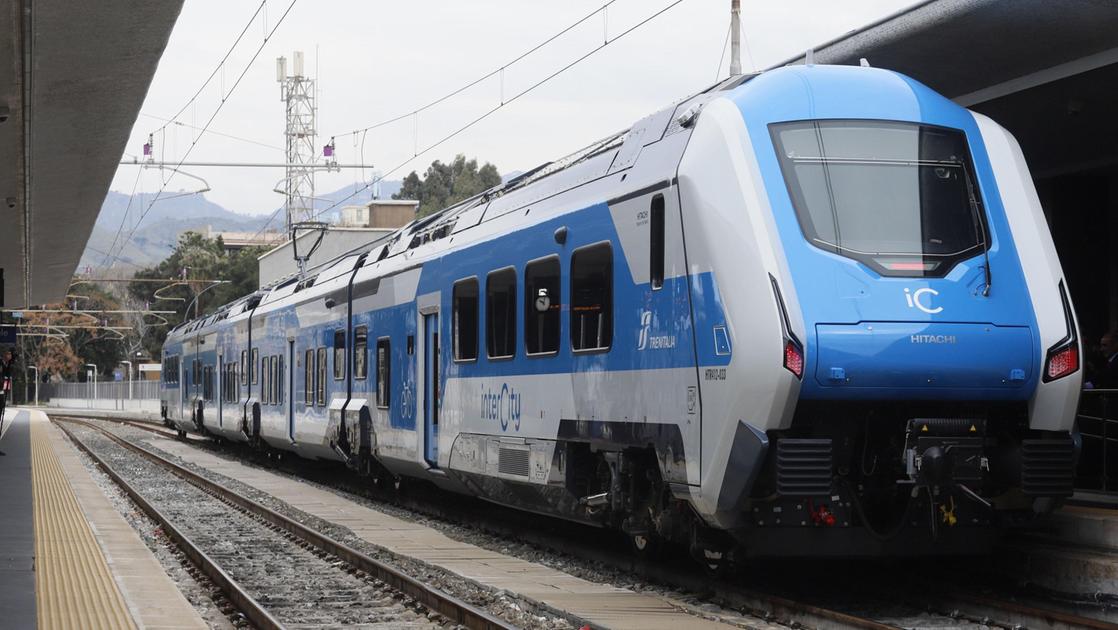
(171, 216)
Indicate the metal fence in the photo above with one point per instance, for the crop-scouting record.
(105, 390)
(1098, 425)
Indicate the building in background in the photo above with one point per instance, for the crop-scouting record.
(359, 225)
(236, 241)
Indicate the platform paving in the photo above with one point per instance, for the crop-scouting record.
(153, 599)
(68, 559)
(17, 524)
(600, 604)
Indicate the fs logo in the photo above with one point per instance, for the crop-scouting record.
(647, 340)
(917, 300)
(646, 325)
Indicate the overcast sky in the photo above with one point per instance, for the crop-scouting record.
(377, 59)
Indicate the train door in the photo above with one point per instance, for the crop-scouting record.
(431, 388)
(290, 390)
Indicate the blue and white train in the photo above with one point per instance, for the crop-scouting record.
(812, 311)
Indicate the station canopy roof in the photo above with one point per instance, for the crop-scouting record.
(73, 76)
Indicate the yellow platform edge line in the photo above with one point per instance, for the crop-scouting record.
(74, 587)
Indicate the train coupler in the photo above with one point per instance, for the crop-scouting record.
(945, 451)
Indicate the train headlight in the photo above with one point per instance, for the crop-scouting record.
(1061, 362)
(794, 358)
(1063, 358)
(793, 349)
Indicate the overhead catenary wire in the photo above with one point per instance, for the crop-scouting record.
(220, 65)
(123, 219)
(206, 126)
(213, 132)
(722, 57)
(504, 104)
(174, 120)
(495, 72)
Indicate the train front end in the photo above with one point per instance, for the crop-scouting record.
(928, 338)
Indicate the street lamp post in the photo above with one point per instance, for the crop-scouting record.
(94, 373)
(129, 364)
(36, 368)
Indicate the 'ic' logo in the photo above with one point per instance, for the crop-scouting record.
(916, 299)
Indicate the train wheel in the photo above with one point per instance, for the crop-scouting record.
(182, 434)
(645, 545)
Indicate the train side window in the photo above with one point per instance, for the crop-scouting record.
(274, 365)
(207, 383)
(322, 377)
(500, 314)
(255, 355)
(339, 355)
(592, 298)
(542, 303)
(464, 320)
(384, 373)
(280, 380)
(308, 378)
(235, 388)
(244, 374)
(360, 352)
(264, 393)
(656, 242)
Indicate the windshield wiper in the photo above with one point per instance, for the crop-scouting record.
(979, 231)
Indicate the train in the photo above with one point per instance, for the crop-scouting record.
(814, 311)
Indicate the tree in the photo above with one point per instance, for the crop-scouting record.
(444, 185)
(63, 341)
(67, 355)
(193, 260)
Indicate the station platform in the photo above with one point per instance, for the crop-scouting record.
(67, 557)
(1073, 551)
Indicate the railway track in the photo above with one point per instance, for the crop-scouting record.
(275, 571)
(916, 605)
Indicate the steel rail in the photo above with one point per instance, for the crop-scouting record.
(451, 607)
(765, 604)
(249, 607)
(790, 611)
(787, 610)
(1024, 615)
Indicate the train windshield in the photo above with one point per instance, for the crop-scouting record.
(899, 197)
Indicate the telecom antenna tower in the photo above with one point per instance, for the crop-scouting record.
(297, 93)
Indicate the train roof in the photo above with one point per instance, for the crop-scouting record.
(613, 153)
